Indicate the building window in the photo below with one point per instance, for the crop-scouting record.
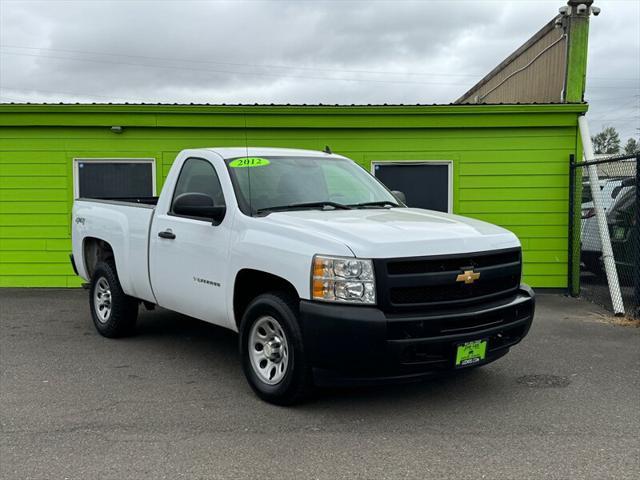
(110, 178)
(426, 184)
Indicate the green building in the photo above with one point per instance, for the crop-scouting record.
(496, 160)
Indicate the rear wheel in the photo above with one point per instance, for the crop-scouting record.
(114, 313)
(272, 351)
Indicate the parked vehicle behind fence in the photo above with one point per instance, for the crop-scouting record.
(622, 221)
(326, 275)
(590, 243)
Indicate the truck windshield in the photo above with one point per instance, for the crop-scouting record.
(266, 184)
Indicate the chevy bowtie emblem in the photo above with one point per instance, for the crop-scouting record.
(468, 277)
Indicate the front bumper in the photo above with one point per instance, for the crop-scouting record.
(355, 344)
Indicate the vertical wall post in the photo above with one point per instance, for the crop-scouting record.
(576, 221)
(570, 237)
(577, 29)
(636, 246)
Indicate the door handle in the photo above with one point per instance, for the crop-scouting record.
(167, 234)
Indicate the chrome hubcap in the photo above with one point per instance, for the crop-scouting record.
(268, 350)
(102, 300)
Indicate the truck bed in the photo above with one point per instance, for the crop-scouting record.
(124, 224)
(130, 201)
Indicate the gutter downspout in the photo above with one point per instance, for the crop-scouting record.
(603, 228)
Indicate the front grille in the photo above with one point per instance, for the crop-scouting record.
(455, 291)
(414, 283)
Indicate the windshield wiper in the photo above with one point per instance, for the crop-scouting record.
(382, 203)
(302, 206)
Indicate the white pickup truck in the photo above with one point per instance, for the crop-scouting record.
(326, 275)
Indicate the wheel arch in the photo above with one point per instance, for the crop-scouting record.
(95, 250)
(250, 283)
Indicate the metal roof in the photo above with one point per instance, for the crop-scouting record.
(453, 104)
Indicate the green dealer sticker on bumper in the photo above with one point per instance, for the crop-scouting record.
(248, 162)
(471, 353)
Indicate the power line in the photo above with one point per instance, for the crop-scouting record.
(631, 117)
(615, 109)
(75, 94)
(230, 72)
(287, 67)
(253, 65)
(277, 1)
(253, 74)
(11, 99)
(625, 97)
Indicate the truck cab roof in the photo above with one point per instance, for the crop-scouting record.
(235, 152)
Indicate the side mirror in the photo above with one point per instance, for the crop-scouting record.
(616, 191)
(400, 196)
(198, 205)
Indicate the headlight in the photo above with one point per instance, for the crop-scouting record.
(346, 280)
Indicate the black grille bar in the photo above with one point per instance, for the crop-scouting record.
(451, 263)
(464, 323)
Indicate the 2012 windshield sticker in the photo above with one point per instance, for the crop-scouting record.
(249, 162)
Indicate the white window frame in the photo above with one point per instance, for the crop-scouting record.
(77, 161)
(448, 163)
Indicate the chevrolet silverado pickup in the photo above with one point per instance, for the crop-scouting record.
(327, 276)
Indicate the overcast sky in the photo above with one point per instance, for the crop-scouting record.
(296, 51)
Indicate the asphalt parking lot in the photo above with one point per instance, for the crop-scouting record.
(171, 402)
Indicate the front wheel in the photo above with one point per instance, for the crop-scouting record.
(272, 351)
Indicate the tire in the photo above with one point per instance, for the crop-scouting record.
(592, 262)
(286, 376)
(114, 313)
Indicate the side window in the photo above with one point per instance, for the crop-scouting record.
(199, 176)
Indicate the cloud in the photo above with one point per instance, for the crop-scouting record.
(295, 51)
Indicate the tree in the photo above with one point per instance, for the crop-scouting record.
(632, 146)
(606, 142)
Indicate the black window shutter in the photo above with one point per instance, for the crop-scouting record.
(115, 179)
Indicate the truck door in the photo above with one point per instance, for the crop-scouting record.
(188, 255)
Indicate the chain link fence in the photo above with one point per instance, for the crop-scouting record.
(618, 190)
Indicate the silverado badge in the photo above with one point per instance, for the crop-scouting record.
(468, 277)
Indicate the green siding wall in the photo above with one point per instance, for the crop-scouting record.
(510, 165)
